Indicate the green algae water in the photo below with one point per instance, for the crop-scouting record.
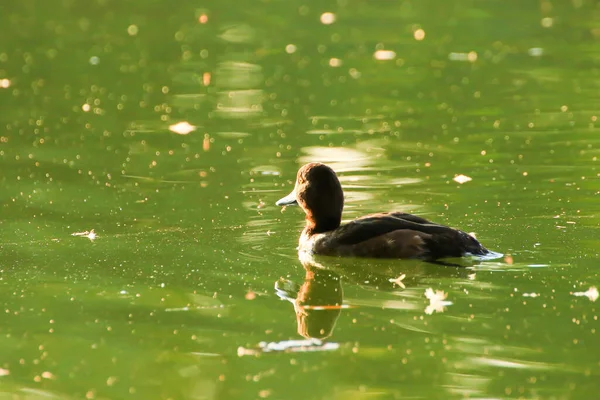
(143, 145)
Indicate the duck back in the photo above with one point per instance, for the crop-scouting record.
(398, 235)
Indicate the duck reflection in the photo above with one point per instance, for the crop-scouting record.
(319, 300)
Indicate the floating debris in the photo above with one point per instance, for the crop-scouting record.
(88, 234)
(536, 52)
(462, 179)
(591, 293)
(182, 128)
(384, 55)
(398, 281)
(437, 301)
(178, 309)
(327, 307)
(288, 346)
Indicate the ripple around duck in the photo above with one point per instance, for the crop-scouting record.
(338, 158)
(491, 255)
(513, 363)
(378, 181)
(333, 131)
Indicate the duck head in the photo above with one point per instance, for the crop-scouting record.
(319, 193)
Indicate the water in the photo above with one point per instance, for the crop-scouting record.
(171, 132)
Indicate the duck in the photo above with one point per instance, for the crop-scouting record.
(400, 235)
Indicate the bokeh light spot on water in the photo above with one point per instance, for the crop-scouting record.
(48, 375)
(354, 73)
(94, 60)
(327, 18)
(547, 22)
(419, 34)
(470, 56)
(111, 380)
(4, 83)
(290, 48)
(335, 62)
(132, 30)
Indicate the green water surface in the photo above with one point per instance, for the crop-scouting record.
(143, 145)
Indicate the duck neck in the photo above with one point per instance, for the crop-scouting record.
(321, 226)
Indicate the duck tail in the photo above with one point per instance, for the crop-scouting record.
(454, 244)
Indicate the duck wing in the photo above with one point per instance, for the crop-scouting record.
(438, 240)
(406, 216)
(371, 226)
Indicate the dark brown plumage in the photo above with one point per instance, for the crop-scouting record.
(386, 235)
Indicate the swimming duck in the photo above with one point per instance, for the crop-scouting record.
(386, 235)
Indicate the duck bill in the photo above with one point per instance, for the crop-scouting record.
(289, 200)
